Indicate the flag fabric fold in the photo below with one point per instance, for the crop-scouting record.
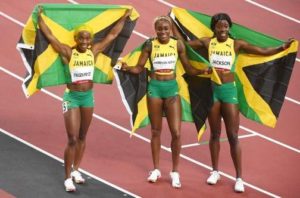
(133, 89)
(45, 67)
(262, 81)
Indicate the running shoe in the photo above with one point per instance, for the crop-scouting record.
(175, 179)
(76, 175)
(69, 185)
(154, 175)
(239, 185)
(213, 178)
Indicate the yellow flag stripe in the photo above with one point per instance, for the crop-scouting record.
(201, 132)
(28, 33)
(142, 113)
(101, 63)
(191, 23)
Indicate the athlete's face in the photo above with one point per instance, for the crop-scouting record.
(83, 40)
(163, 30)
(222, 30)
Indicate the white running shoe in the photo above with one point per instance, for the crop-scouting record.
(213, 178)
(154, 175)
(239, 185)
(175, 179)
(69, 185)
(76, 175)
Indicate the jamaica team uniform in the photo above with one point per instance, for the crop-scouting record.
(163, 60)
(222, 57)
(81, 68)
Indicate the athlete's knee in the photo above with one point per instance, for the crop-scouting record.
(72, 140)
(155, 132)
(233, 139)
(215, 135)
(82, 136)
(175, 134)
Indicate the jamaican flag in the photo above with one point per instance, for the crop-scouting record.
(262, 81)
(133, 88)
(45, 67)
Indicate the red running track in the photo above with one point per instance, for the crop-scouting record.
(270, 156)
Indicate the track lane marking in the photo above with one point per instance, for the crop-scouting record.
(62, 161)
(272, 10)
(124, 128)
(207, 142)
(147, 140)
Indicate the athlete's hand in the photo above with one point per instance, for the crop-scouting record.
(40, 10)
(128, 12)
(288, 43)
(207, 71)
(124, 67)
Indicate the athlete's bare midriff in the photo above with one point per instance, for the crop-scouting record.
(225, 76)
(80, 86)
(162, 77)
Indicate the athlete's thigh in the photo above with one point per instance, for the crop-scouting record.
(72, 121)
(214, 117)
(172, 109)
(86, 118)
(155, 110)
(231, 117)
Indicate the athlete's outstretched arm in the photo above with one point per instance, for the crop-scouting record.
(245, 46)
(146, 51)
(113, 33)
(64, 50)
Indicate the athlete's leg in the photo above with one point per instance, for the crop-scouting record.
(72, 124)
(155, 106)
(86, 118)
(231, 118)
(172, 108)
(214, 118)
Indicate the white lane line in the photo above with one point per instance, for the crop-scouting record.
(228, 176)
(273, 11)
(72, 1)
(166, 3)
(62, 161)
(270, 139)
(60, 99)
(12, 19)
(145, 139)
(289, 99)
(252, 133)
(206, 142)
(140, 34)
(292, 100)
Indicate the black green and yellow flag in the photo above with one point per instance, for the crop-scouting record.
(262, 81)
(44, 66)
(133, 90)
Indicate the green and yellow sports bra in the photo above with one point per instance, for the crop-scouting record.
(164, 57)
(222, 54)
(81, 66)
